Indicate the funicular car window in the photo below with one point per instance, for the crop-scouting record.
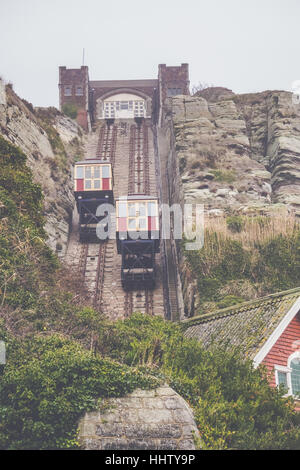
(79, 172)
(131, 209)
(141, 209)
(141, 223)
(96, 172)
(152, 209)
(88, 172)
(122, 209)
(105, 171)
(131, 224)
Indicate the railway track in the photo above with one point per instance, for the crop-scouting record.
(138, 177)
(128, 147)
(90, 259)
(107, 143)
(139, 301)
(139, 183)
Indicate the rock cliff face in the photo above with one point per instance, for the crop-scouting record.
(51, 142)
(238, 152)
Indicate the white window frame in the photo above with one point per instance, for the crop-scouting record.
(295, 355)
(288, 371)
(67, 87)
(92, 178)
(76, 90)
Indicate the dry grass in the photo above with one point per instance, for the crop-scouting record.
(255, 230)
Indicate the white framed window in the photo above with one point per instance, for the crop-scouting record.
(294, 364)
(105, 171)
(68, 90)
(283, 377)
(289, 376)
(92, 177)
(80, 172)
(79, 91)
(174, 91)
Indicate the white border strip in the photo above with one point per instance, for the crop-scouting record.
(277, 333)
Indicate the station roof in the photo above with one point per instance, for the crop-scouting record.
(89, 161)
(248, 325)
(136, 197)
(123, 83)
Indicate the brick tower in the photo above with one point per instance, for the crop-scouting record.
(74, 90)
(173, 81)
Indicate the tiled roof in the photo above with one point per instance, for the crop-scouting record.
(247, 325)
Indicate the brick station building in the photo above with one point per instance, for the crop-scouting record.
(109, 99)
(266, 330)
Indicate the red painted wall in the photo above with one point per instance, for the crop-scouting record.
(82, 119)
(287, 344)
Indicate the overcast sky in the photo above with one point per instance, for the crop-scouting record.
(244, 45)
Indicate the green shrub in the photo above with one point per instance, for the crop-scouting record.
(229, 300)
(277, 266)
(269, 266)
(235, 223)
(224, 176)
(26, 262)
(48, 384)
(70, 110)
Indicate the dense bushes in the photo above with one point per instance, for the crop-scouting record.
(26, 262)
(230, 270)
(70, 110)
(48, 383)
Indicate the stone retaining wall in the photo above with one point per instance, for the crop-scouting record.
(145, 419)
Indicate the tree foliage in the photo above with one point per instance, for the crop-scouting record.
(47, 385)
(70, 110)
(26, 262)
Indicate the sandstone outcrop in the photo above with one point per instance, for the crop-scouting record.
(240, 152)
(50, 141)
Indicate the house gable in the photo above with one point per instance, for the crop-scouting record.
(278, 333)
(287, 344)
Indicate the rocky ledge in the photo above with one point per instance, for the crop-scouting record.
(238, 152)
(51, 142)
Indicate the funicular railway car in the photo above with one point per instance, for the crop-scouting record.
(93, 186)
(137, 234)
